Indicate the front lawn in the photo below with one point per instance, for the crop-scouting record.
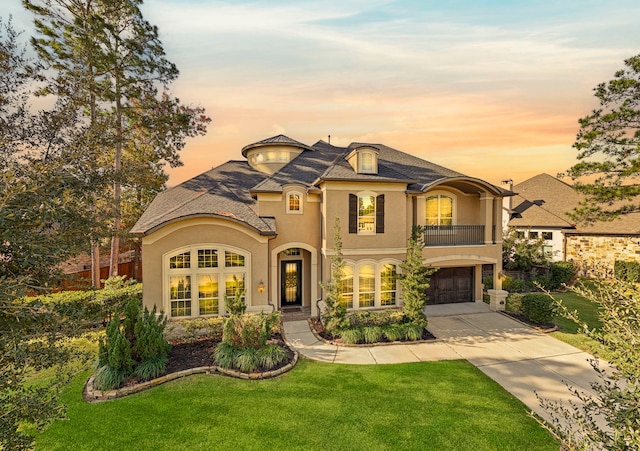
(428, 405)
(570, 331)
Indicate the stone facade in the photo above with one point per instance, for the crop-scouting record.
(596, 255)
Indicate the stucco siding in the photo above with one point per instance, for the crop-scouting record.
(192, 232)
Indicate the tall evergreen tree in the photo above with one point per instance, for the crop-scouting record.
(109, 63)
(608, 145)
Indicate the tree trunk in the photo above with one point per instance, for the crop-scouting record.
(95, 263)
(117, 199)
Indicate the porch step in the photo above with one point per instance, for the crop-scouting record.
(295, 313)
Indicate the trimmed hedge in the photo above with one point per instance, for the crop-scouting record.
(538, 308)
(90, 306)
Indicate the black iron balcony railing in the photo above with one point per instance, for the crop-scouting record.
(456, 235)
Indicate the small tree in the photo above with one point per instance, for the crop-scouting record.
(235, 304)
(414, 279)
(610, 419)
(335, 312)
(522, 253)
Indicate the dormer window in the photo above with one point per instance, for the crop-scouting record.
(364, 160)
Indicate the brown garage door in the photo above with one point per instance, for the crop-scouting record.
(450, 285)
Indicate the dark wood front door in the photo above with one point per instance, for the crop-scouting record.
(291, 283)
(449, 285)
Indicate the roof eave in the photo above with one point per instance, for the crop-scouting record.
(143, 233)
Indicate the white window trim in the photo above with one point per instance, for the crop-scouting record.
(287, 205)
(374, 162)
(194, 272)
(378, 283)
(375, 212)
(454, 207)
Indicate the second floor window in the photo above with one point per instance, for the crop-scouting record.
(439, 210)
(366, 214)
(294, 203)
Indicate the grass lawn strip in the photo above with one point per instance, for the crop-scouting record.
(427, 405)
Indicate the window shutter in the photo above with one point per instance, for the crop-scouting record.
(380, 213)
(353, 213)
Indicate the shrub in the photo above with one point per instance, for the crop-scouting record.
(190, 330)
(514, 302)
(627, 271)
(375, 318)
(135, 346)
(244, 343)
(538, 307)
(487, 282)
(393, 332)
(372, 334)
(271, 356)
(412, 331)
(351, 336)
(562, 273)
(517, 285)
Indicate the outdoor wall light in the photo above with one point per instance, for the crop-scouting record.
(261, 287)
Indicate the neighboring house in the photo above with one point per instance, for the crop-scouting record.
(266, 224)
(540, 208)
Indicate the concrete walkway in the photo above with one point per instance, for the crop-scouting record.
(517, 357)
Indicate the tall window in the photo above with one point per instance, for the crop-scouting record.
(388, 284)
(346, 286)
(208, 269)
(366, 214)
(367, 286)
(439, 210)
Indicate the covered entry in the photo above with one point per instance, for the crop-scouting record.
(291, 283)
(449, 285)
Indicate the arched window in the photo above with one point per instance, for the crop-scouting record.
(294, 202)
(439, 210)
(199, 278)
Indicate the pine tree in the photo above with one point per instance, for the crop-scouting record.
(414, 279)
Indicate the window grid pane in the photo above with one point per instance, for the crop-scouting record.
(233, 260)
(294, 202)
(180, 261)
(208, 294)
(207, 258)
(346, 286)
(439, 210)
(388, 284)
(233, 282)
(180, 295)
(367, 286)
(366, 213)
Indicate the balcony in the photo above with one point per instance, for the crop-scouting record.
(458, 235)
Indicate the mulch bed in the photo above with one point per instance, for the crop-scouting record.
(319, 329)
(194, 354)
(546, 328)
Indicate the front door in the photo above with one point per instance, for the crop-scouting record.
(291, 283)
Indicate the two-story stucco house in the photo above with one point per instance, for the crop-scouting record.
(266, 223)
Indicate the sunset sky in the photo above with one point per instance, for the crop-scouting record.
(492, 89)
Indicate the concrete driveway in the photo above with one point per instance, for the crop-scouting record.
(517, 357)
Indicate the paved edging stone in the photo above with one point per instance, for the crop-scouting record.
(92, 394)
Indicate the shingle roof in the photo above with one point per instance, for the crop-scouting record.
(226, 191)
(220, 192)
(278, 139)
(545, 201)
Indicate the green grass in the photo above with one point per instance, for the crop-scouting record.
(570, 331)
(448, 405)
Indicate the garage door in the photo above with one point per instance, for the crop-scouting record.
(450, 285)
